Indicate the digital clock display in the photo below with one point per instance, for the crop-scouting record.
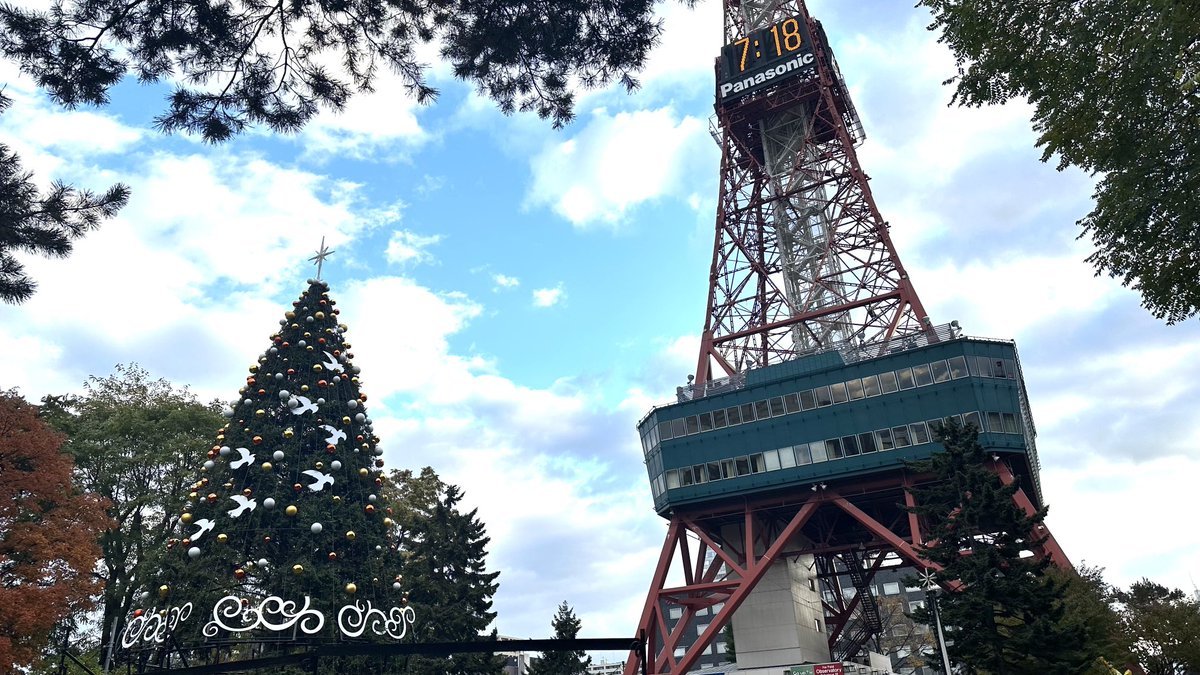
(763, 57)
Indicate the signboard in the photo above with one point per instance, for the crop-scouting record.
(818, 669)
(764, 57)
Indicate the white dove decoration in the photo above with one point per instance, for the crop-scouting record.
(306, 405)
(244, 458)
(335, 435)
(322, 479)
(331, 363)
(205, 525)
(244, 504)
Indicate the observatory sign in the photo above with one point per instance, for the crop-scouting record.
(764, 57)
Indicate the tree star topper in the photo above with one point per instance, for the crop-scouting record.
(322, 254)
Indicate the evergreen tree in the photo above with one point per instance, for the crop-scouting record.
(566, 627)
(42, 223)
(288, 507)
(1006, 616)
(445, 570)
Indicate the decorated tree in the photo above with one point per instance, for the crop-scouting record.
(48, 535)
(286, 536)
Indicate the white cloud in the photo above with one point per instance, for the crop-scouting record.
(505, 281)
(548, 297)
(408, 247)
(377, 125)
(616, 162)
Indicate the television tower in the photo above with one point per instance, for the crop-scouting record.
(819, 376)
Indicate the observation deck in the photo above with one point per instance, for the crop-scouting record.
(837, 414)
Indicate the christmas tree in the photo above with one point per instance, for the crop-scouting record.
(287, 534)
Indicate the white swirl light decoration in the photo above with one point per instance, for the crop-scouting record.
(273, 613)
(353, 620)
(154, 626)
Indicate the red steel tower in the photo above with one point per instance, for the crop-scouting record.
(806, 284)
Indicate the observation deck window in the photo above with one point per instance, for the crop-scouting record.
(771, 459)
(921, 375)
(866, 443)
(804, 453)
(792, 403)
(994, 422)
(1010, 423)
(833, 449)
(818, 452)
(758, 463)
(735, 416)
(728, 469)
(900, 436)
(919, 433)
(762, 410)
(958, 367)
(941, 371)
(714, 470)
(747, 412)
(887, 382)
(870, 385)
(823, 397)
(679, 428)
(787, 458)
(850, 445)
(972, 418)
(905, 375)
(838, 392)
(706, 422)
(777, 408)
(808, 400)
(693, 425)
(743, 466)
(885, 439)
(854, 389)
(718, 419)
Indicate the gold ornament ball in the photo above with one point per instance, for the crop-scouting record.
(304, 387)
(337, 499)
(370, 509)
(320, 315)
(387, 522)
(266, 466)
(351, 589)
(260, 412)
(193, 495)
(290, 315)
(291, 510)
(320, 465)
(363, 472)
(288, 433)
(297, 569)
(309, 348)
(350, 535)
(254, 369)
(163, 590)
(317, 368)
(222, 538)
(186, 518)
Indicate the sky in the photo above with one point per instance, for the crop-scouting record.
(519, 296)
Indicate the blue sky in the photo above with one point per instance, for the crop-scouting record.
(518, 296)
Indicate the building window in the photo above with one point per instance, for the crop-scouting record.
(675, 612)
(891, 588)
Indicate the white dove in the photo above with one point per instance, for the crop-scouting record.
(205, 525)
(331, 363)
(244, 458)
(244, 504)
(335, 435)
(306, 405)
(322, 479)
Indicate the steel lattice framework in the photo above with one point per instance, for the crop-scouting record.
(802, 259)
(802, 262)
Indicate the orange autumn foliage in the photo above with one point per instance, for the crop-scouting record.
(48, 535)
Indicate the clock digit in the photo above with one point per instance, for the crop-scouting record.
(775, 34)
(745, 43)
(791, 34)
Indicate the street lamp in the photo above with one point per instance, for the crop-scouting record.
(931, 587)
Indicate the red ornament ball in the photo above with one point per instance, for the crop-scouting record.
(239, 574)
(257, 440)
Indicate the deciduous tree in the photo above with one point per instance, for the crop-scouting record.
(1115, 86)
(1164, 626)
(133, 439)
(48, 535)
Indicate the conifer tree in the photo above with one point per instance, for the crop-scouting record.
(566, 627)
(445, 571)
(1006, 616)
(287, 533)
